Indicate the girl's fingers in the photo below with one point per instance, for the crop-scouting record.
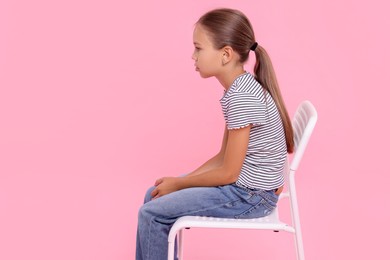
(158, 182)
(154, 193)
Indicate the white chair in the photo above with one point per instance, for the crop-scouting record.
(303, 123)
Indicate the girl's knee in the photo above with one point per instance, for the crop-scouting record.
(148, 196)
(143, 212)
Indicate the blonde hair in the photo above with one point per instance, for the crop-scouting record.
(229, 27)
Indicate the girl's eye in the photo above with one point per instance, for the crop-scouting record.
(197, 48)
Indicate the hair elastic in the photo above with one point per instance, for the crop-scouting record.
(254, 46)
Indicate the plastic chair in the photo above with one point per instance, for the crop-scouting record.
(303, 123)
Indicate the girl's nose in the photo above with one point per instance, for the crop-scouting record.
(194, 56)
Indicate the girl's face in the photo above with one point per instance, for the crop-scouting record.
(208, 60)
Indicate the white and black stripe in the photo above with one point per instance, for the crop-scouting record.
(247, 103)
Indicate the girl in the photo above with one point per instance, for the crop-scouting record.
(245, 178)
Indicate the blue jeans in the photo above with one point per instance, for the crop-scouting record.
(156, 217)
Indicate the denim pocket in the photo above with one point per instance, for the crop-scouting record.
(261, 209)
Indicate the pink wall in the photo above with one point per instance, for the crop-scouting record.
(100, 98)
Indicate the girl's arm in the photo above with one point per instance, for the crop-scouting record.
(215, 161)
(226, 173)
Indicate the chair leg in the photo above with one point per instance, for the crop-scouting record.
(295, 219)
(171, 250)
(180, 244)
(299, 245)
(172, 244)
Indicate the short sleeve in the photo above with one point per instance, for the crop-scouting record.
(244, 109)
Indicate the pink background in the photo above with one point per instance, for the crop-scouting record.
(100, 98)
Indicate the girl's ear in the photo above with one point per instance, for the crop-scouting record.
(227, 54)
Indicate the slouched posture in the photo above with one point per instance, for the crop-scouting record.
(245, 178)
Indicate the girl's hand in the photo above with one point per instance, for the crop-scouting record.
(165, 186)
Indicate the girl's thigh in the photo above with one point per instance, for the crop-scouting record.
(221, 201)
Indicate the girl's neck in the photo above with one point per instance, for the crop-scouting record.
(228, 77)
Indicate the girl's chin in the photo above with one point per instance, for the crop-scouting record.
(203, 75)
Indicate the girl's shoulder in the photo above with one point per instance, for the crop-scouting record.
(244, 86)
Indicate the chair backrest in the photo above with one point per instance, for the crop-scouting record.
(303, 123)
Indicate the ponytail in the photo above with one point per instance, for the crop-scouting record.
(265, 75)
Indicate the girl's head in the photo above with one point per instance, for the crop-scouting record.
(222, 37)
(228, 33)
(228, 27)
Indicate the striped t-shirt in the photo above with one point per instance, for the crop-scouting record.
(247, 103)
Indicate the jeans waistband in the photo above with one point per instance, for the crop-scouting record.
(252, 189)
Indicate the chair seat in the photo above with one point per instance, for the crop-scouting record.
(270, 222)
